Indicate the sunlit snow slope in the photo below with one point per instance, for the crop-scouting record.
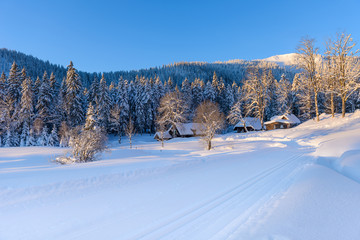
(300, 183)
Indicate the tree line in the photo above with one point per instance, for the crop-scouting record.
(42, 112)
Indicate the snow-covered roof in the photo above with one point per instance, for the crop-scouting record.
(286, 118)
(250, 122)
(166, 135)
(189, 129)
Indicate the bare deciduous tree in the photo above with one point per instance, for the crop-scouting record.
(307, 61)
(256, 93)
(329, 77)
(130, 131)
(346, 67)
(211, 119)
(171, 110)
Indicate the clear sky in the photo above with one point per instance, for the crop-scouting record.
(109, 35)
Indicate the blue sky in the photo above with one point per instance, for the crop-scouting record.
(124, 35)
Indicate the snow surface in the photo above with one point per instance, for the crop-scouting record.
(298, 183)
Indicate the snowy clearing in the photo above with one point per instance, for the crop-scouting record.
(299, 183)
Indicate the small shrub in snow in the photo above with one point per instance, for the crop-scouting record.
(65, 160)
(87, 144)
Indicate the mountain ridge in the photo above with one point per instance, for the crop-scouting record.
(230, 71)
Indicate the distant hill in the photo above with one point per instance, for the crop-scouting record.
(283, 60)
(230, 71)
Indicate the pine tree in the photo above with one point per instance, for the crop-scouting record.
(53, 139)
(197, 93)
(36, 89)
(215, 86)
(221, 97)
(3, 104)
(93, 91)
(43, 140)
(73, 98)
(31, 141)
(60, 108)
(140, 101)
(115, 121)
(13, 96)
(170, 86)
(304, 95)
(103, 105)
(149, 123)
(14, 86)
(229, 98)
(27, 109)
(209, 92)
(186, 93)
(8, 139)
(45, 102)
(113, 92)
(90, 122)
(123, 103)
(283, 96)
(271, 108)
(25, 134)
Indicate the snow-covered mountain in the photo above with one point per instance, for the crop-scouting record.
(283, 60)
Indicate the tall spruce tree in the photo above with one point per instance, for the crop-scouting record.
(13, 96)
(27, 108)
(45, 102)
(103, 104)
(73, 98)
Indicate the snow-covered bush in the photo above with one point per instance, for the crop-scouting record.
(65, 160)
(87, 144)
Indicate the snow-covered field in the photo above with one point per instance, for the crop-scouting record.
(300, 183)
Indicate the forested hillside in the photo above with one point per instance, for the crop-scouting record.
(229, 71)
(46, 104)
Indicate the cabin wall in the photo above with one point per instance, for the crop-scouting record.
(277, 125)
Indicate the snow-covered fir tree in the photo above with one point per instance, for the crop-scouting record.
(74, 97)
(45, 104)
(103, 104)
(53, 139)
(90, 121)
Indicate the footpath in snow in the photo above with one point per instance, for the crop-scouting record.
(300, 183)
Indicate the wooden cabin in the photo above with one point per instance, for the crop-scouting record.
(181, 130)
(282, 122)
(250, 123)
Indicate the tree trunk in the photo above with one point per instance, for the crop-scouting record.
(162, 143)
(316, 107)
(343, 106)
(209, 145)
(332, 105)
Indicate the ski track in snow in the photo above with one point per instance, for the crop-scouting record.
(226, 203)
(183, 192)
